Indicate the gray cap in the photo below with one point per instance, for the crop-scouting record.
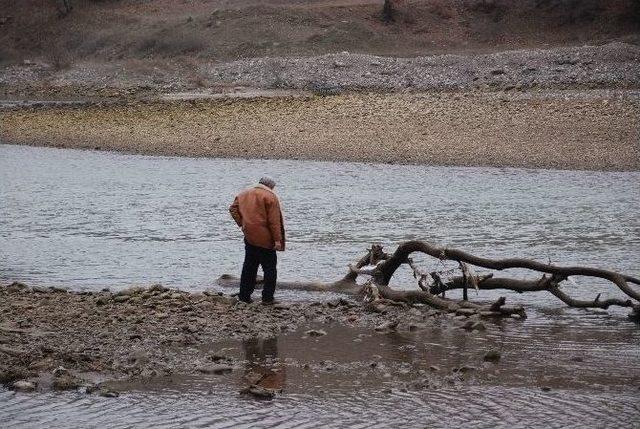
(268, 181)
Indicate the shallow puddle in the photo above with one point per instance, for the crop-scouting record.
(560, 375)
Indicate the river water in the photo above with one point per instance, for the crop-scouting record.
(88, 220)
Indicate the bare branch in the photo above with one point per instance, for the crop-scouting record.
(405, 249)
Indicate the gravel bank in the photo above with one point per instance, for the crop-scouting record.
(614, 65)
(570, 129)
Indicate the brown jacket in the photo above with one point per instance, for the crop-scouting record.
(257, 211)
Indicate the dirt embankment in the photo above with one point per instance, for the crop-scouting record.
(549, 129)
(221, 30)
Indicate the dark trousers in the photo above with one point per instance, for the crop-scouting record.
(253, 257)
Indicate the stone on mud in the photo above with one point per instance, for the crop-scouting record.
(60, 372)
(103, 300)
(157, 288)
(489, 313)
(24, 386)
(17, 287)
(387, 326)
(66, 382)
(316, 333)
(13, 373)
(281, 306)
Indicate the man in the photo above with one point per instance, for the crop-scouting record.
(257, 212)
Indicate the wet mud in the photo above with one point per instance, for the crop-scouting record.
(64, 340)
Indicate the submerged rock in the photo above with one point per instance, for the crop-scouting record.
(468, 325)
(258, 392)
(316, 333)
(107, 393)
(478, 326)
(492, 356)
(253, 377)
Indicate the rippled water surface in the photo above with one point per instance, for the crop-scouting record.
(512, 408)
(90, 219)
(87, 220)
(573, 374)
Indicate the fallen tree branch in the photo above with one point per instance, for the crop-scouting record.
(381, 267)
(443, 253)
(547, 284)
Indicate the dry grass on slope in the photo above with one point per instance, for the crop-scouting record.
(220, 30)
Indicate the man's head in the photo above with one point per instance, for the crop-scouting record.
(268, 182)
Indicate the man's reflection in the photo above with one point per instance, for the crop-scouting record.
(263, 368)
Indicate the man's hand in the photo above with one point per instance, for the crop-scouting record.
(278, 246)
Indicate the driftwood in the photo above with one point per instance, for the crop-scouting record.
(380, 267)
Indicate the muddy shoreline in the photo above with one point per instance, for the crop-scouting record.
(51, 338)
(582, 130)
(143, 338)
(64, 340)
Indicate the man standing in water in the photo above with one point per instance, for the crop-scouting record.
(257, 212)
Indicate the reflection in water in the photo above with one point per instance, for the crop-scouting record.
(263, 368)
